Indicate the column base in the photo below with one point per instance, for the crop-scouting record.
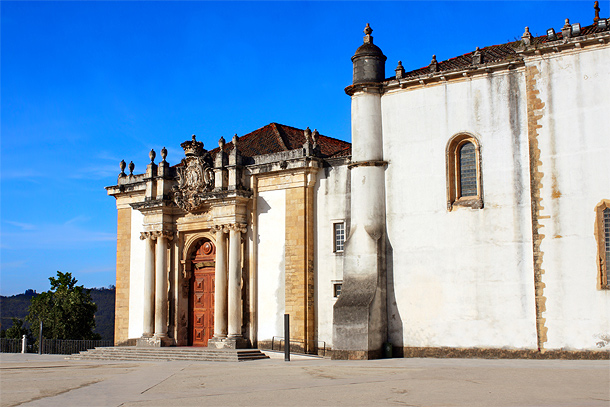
(228, 343)
(155, 342)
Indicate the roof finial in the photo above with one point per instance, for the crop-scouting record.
(307, 134)
(433, 64)
(122, 165)
(314, 138)
(368, 38)
(566, 30)
(527, 36)
(596, 8)
(477, 57)
(400, 71)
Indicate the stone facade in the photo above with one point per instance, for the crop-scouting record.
(471, 199)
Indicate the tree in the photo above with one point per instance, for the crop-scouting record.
(17, 330)
(66, 310)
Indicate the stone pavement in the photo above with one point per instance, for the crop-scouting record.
(50, 380)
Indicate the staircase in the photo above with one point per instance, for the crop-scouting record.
(170, 353)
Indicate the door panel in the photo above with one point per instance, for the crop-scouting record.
(202, 306)
(201, 295)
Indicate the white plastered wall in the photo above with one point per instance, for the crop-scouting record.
(462, 278)
(271, 212)
(136, 276)
(575, 153)
(330, 207)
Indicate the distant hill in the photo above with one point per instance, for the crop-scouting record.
(17, 306)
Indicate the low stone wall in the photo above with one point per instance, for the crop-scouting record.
(483, 353)
(295, 347)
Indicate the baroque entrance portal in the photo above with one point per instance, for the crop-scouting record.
(201, 294)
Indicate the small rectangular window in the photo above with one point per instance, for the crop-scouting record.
(607, 240)
(339, 236)
(602, 235)
(337, 289)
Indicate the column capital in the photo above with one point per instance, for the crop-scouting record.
(154, 234)
(238, 227)
(168, 234)
(145, 235)
(217, 229)
(226, 228)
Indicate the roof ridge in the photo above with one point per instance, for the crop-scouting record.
(278, 133)
(285, 125)
(321, 135)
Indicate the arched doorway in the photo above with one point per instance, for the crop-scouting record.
(201, 293)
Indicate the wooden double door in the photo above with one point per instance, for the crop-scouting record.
(201, 294)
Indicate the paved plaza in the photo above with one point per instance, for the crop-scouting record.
(51, 380)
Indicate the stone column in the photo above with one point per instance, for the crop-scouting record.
(235, 301)
(220, 290)
(149, 285)
(161, 286)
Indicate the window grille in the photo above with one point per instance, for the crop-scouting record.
(602, 235)
(468, 170)
(339, 236)
(607, 236)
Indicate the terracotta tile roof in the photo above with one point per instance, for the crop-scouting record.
(493, 53)
(342, 153)
(275, 137)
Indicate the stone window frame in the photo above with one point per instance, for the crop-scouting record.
(453, 173)
(335, 241)
(337, 286)
(603, 281)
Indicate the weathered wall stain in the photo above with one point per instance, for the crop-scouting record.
(534, 114)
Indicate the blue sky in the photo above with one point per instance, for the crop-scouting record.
(86, 84)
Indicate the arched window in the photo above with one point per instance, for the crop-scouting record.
(464, 172)
(602, 234)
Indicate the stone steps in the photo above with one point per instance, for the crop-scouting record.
(170, 353)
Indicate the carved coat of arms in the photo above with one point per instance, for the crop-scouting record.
(195, 176)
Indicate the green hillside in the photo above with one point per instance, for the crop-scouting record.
(17, 306)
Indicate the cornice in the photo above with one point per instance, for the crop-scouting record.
(126, 188)
(365, 87)
(566, 45)
(457, 75)
(285, 164)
